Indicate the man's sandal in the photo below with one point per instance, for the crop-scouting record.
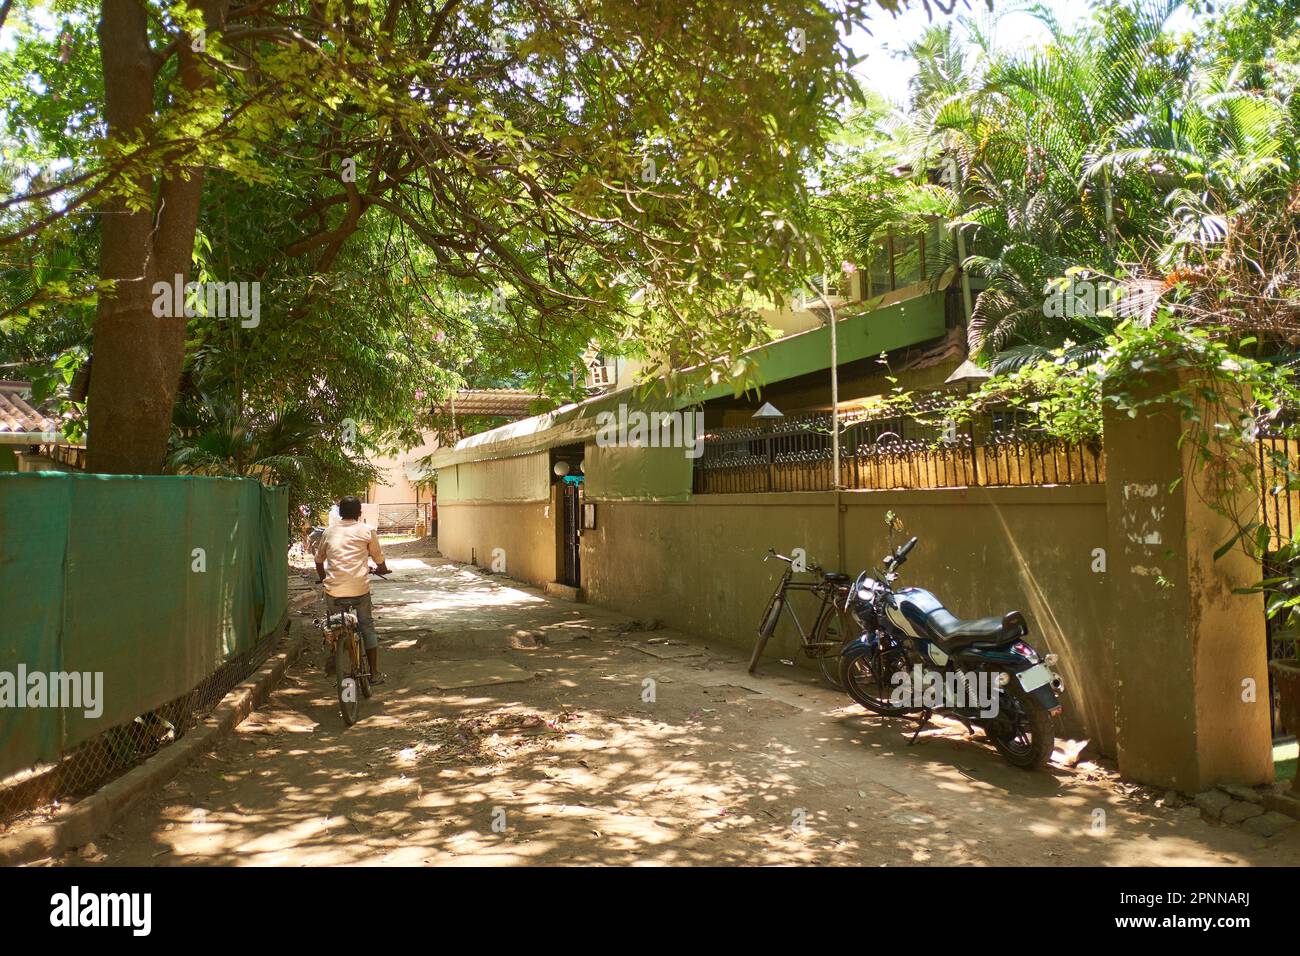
(377, 679)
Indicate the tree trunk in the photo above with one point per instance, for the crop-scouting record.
(137, 357)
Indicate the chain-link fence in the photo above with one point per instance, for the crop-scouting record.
(137, 604)
(41, 789)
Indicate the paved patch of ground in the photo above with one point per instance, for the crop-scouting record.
(621, 750)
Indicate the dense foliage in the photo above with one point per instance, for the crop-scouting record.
(1126, 201)
(430, 196)
(1123, 165)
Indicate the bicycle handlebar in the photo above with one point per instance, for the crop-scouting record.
(811, 568)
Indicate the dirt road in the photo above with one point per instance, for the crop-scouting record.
(620, 747)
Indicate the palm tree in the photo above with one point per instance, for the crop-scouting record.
(286, 444)
(1225, 151)
(1103, 156)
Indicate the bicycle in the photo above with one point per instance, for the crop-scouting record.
(351, 665)
(351, 668)
(832, 628)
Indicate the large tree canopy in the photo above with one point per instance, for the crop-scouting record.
(412, 185)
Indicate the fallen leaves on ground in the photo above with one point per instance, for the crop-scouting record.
(485, 738)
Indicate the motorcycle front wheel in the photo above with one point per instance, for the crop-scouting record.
(867, 678)
(1022, 732)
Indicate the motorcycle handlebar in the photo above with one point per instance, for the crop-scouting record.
(892, 561)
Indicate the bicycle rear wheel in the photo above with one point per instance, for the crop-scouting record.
(363, 673)
(767, 626)
(834, 630)
(345, 670)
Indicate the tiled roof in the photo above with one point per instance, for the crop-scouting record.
(16, 412)
(507, 402)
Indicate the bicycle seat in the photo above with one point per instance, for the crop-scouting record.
(834, 577)
(347, 602)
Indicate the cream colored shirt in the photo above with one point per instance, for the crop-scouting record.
(344, 550)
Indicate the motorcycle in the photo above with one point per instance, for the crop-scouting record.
(914, 656)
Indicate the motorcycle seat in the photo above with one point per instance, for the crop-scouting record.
(955, 634)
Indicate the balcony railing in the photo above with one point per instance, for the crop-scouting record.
(891, 453)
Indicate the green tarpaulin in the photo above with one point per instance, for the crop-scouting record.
(151, 581)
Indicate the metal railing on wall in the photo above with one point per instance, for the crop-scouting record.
(890, 453)
(1278, 448)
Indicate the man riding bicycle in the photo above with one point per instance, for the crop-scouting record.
(345, 550)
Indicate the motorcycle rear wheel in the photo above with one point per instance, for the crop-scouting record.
(1022, 732)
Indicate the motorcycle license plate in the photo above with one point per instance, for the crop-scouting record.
(1034, 678)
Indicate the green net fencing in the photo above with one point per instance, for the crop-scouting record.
(129, 605)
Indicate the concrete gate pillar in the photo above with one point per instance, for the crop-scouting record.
(1190, 656)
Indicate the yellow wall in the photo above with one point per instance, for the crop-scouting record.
(525, 533)
(505, 504)
(789, 321)
(697, 565)
(521, 478)
(1120, 578)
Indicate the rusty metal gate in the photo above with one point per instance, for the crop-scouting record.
(1279, 457)
(411, 517)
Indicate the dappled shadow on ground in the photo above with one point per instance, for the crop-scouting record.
(623, 748)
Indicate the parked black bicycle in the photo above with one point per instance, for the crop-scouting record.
(833, 626)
